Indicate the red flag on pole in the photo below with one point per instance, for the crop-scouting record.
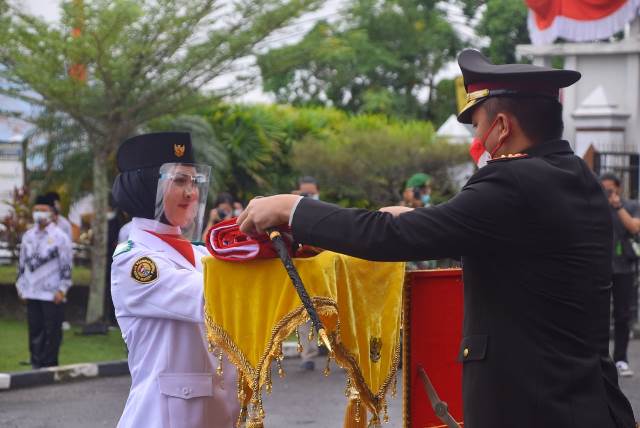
(77, 70)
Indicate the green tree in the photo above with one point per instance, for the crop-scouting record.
(376, 58)
(261, 140)
(114, 65)
(443, 101)
(250, 136)
(365, 160)
(60, 154)
(504, 23)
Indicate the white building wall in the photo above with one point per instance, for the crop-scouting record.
(614, 66)
(11, 174)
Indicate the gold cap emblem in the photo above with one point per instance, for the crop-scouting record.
(178, 149)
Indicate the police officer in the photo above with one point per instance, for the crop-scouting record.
(533, 229)
(157, 289)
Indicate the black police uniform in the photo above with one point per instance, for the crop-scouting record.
(534, 233)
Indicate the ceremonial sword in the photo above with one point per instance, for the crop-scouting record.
(281, 248)
(440, 408)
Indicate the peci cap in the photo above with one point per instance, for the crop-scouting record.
(44, 200)
(153, 150)
(418, 180)
(483, 80)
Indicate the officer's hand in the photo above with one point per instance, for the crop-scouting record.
(395, 210)
(262, 213)
(58, 297)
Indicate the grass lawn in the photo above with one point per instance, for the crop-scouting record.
(75, 348)
(79, 274)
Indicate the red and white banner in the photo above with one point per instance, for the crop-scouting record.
(578, 20)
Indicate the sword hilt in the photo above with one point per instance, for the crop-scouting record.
(276, 239)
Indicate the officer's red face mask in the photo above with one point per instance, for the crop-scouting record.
(478, 149)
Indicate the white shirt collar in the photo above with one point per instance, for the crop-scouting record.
(155, 226)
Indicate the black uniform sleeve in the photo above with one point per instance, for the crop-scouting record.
(483, 217)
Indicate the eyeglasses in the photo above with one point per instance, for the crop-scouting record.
(181, 179)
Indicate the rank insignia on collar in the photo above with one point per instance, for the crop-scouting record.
(144, 270)
(510, 156)
(178, 150)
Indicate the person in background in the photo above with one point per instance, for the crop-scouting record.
(237, 208)
(417, 191)
(417, 194)
(626, 223)
(44, 276)
(65, 226)
(60, 220)
(308, 188)
(223, 210)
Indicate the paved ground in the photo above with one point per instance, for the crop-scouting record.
(301, 399)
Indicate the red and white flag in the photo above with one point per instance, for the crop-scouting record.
(578, 20)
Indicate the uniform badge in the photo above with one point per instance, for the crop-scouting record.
(375, 346)
(178, 149)
(144, 270)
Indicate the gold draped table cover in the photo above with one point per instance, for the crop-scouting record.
(252, 307)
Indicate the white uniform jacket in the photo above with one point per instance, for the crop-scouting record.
(158, 299)
(45, 262)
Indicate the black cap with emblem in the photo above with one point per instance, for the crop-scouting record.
(483, 80)
(153, 150)
(139, 159)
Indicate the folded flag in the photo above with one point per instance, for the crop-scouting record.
(225, 241)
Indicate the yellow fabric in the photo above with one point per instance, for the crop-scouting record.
(251, 307)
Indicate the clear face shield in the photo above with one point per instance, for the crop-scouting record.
(181, 197)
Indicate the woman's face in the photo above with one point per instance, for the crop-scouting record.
(181, 196)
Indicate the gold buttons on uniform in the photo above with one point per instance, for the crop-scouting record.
(465, 353)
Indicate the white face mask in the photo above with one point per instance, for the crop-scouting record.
(237, 212)
(41, 217)
(315, 196)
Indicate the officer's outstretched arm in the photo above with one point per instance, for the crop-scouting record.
(480, 218)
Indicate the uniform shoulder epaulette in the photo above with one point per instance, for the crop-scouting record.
(122, 247)
(510, 156)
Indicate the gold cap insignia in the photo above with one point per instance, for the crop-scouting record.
(144, 270)
(375, 346)
(178, 149)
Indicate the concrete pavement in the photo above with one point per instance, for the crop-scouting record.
(300, 399)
